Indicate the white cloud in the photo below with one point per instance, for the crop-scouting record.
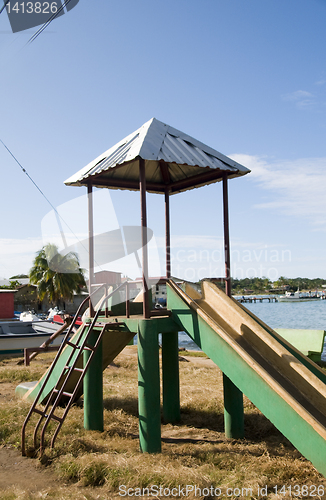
(17, 255)
(297, 95)
(301, 98)
(297, 186)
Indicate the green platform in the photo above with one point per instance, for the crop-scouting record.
(309, 342)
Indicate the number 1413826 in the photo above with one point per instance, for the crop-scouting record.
(300, 490)
(33, 7)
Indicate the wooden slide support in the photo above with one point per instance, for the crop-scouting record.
(287, 387)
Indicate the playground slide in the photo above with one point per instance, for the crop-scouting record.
(113, 343)
(287, 387)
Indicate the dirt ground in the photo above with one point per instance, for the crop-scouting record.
(266, 453)
(22, 472)
(15, 470)
(27, 475)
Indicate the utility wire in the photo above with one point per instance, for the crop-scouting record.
(46, 24)
(5, 5)
(58, 216)
(25, 172)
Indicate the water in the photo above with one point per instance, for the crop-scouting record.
(301, 315)
(304, 315)
(187, 343)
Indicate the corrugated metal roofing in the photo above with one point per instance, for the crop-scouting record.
(189, 162)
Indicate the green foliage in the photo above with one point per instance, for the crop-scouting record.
(248, 285)
(57, 276)
(301, 283)
(12, 285)
(263, 285)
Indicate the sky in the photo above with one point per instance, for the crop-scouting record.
(247, 78)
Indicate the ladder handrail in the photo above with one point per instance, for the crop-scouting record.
(62, 346)
(71, 397)
(70, 370)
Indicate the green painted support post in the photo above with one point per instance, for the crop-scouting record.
(233, 410)
(93, 388)
(170, 377)
(149, 388)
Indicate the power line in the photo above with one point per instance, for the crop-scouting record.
(25, 172)
(46, 24)
(57, 215)
(5, 5)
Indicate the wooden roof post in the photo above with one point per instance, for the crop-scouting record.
(226, 237)
(167, 232)
(90, 244)
(233, 397)
(143, 215)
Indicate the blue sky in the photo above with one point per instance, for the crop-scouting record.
(248, 78)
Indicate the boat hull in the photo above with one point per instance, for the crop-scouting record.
(297, 299)
(15, 336)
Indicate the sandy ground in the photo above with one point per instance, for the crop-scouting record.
(26, 474)
(22, 472)
(16, 470)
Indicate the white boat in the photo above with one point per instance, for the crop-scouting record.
(28, 316)
(15, 336)
(298, 296)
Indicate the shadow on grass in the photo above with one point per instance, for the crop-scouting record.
(129, 405)
(83, 445)
(257, 427)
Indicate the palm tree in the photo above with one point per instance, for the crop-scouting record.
(57, 276)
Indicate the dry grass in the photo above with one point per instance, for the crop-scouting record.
(93, 465)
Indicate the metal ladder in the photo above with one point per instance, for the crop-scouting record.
(79, 345)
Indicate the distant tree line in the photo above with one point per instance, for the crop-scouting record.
(264, 285)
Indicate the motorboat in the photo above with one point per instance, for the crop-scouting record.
(28, 316)
(15, 336)
(298, 296)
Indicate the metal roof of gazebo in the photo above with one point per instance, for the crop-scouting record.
(171, 158)
(159, 159)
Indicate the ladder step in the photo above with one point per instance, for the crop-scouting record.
(74, 368)
(74, 346)
(68, 394)
(80, 370)
(45, 415)
(58, 419)
(89, 348)
(39, 412)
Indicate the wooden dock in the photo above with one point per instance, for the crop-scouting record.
(268, 298)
